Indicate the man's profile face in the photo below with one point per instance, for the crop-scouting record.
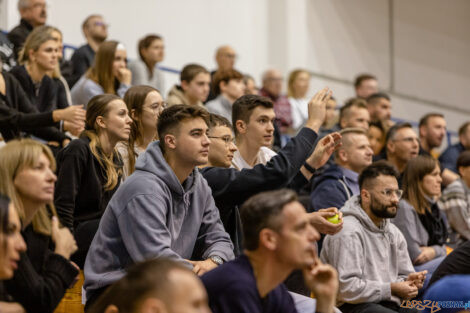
(383, 199)
(198, 88)
(405, 145)
(357, 117)
(382, 110)
(35, 13)
(97, 29)
(296, 245)
(434, 131)
(222, 146)
(191, 142)
(188, 295)
(260, 127)
(367, 88)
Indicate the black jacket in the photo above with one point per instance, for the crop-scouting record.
(18, 35)
(17, 114)
(231, 188)
(82, 59)
(80, 197)
(42, 277)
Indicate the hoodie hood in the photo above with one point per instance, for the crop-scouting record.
(153, 161)
(353, 208)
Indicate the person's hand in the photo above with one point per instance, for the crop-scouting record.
(7, 307)
(317, 109)
(73, 128)
(427, 254)
(324, 149)
(202, 267)
(417, 278)
(65, 244)
(124, 76)
(405, 290)
(322, 280)
(318, 220)
(73, 114)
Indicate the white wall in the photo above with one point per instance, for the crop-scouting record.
(418, 49)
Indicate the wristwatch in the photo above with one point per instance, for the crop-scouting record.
(216, 259)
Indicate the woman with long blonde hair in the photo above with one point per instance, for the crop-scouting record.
(145, 105)
(43, 275)
(90, 169)
(109, 74)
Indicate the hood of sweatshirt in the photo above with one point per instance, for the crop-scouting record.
(153, 161)
(353, 208)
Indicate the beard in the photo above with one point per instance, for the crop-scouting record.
(381, 210)
(98, 38)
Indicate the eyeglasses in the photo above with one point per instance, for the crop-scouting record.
(98, 23)
(158, 106)
(227, 139)
(390, 192)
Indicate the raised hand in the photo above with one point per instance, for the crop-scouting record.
(324, 149)
(317, 109)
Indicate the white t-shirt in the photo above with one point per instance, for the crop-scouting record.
(299, 109)
(264, 155)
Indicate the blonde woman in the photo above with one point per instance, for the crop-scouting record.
(297, 88)
(109, 74)
(90, 169)
(145, 105)
(43, 275)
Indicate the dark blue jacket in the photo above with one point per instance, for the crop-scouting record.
(331, 189)
(449, 157)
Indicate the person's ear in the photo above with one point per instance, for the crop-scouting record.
(184, 85)
(100, 122)
(170, 141)
(390, 146)
(111, 309)
(241, 126)
(365, 196)
(134, 115)
(31, 55)
(153, 305)
(343, 155)
(222, 86)
(268, 239)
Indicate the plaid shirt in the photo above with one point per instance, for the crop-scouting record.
(455, 201)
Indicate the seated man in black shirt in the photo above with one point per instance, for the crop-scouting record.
(278, 238)
(455, 263)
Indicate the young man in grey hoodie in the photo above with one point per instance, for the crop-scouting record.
(164, 209)
(370, 254)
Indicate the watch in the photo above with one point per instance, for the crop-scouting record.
(216, 259)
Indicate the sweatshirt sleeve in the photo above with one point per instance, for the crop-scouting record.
(406, 222)
(72, 163)
(233, 187)
(41, 292)
(454, 203)
(212, 236)
(143, 229)
(122, 90)
(345, 253)
(138, 73)
(405, 266)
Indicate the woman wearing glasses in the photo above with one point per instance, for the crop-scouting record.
(145, 105)
(418, 216)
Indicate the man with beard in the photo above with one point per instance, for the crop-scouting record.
(95, 31)
(374, 268)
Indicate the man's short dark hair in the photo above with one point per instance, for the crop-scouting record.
(376, 169)
(224, 76)
(263, 211)
(359, 79)
(243, 107)
(218, 120)
(425, 119)
(172, 116)
(350, 104)
(190, 71)
(394, 129)
(463, 128)
(372, 99)
(463, 160)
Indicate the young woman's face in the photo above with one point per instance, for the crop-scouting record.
(11, 245)
(376, 139)
(120, 61)
(431, 183)
(155, 52)
(301, 84)
(36, 183)
(117, 122)
(46, 57)
(151, 110)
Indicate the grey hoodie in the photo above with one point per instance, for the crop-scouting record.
(368, 258)
(152, 215)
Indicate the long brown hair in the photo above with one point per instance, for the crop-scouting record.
(135, 99)
(15, 156)
(102, 70)
(413, 175)
(99, 106)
